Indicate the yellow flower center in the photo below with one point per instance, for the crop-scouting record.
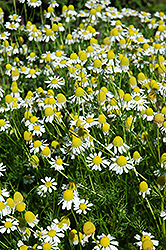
(61, 98)
(23, 247)
(34, 160)
(118, 141)
(8, 98)
(97, 160)
(89, 228)
(20, 206)
(102, 118)
(37, 144)
(29, 216)
(83, 56)
(137, 98)
(127, 97)
(36, 127)
(46, 151)
(2, 122)
(97, 63)
(101, 96)
(49, 111)
(149, 112)
(8, 224)
(145, 237)
(51, 101)
(2, 205)
(113, 102)
(68, 195)
(121, 161)
(52, 233)
(48, 184)
(58, 53)
(141, 77)
(83, 206)
(33, 119)
(10, 203)
(136, 155)
(163, 158)
(105, 242)
(32, 72)
(59, 161)
(49, 32)
(47, 246)
(159, 118)
(143, 186)
(63, 61)
(89, 120)
(76, 142)
(54, 81)
(79, 92)
(124, 61)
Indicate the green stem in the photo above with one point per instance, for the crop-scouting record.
(158, 143)
(162, 208)
(154, 217)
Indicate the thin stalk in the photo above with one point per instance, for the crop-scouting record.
(154, 217)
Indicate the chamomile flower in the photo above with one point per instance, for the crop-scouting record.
(48, 186)
(34, 3)
(37, 146)
(4, 125)
(58, 163)
(136, 157)
(47, 245)
(144, 189)
(95, 161)
(118, 145)
(55, 82)
(144, 236)
(31, 218)
(75, 238)
(68, 198)
(75, 147)
(9, 225)
(52, 234)
(121, 164)
(33, 73)
(106, 242)
(82, 206)
(149, 114)
(49, 114)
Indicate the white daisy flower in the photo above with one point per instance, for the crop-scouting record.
(141, 238)
(106, 242)
(68, 199)
(95, 161)
(143, 189)
(9, 225)
(52, 234)
(58, 163)
(48, 186)
(82, 206)
(121, 164)
(118, 145)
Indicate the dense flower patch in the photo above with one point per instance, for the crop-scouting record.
(82, 128)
